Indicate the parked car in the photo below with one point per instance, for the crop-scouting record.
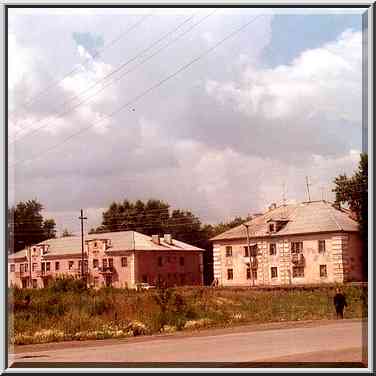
(144, 286)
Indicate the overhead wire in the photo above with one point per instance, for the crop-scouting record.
(96, 54)
(147, 91)
(107, 76)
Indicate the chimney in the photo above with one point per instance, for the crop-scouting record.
(272, 206)
(155, 239)
(167, 238)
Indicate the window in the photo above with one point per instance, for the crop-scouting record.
(321, 246)
(95, 245)
(323, 271)
(35, 284)
(124, 262)
(57, 265)
(255, 274)
(273, 249)
(26, 267)
(246, 251)
(111, 263)
(271, 227)
(254, 250)
(12, 267)
(296, 247)
(160, 261)
(70, 265)
(104, 263)
(48, 266)
(274, 272)
(297, 271)
(230, 274)
(181, 261)
(34, 267)
(95, 263)
(182, 279)
(23, 268)
(228, 251)
(248, 273)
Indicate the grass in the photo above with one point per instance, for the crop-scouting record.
(68, 311)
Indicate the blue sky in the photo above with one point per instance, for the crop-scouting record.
(292, 34)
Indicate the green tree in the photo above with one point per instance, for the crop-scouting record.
(27, 226)
(148, 218)
(154, 217)
(353, 191)
(66, 233)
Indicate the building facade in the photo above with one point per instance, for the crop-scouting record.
(118, 259)
(306, 243)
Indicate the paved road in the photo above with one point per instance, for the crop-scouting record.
(292, 344)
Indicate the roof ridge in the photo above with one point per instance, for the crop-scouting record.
(333, 217)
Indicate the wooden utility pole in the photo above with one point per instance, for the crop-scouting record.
(81, 217)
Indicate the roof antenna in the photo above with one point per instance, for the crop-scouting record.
(307, 182)
(284, 214)
(284, 194)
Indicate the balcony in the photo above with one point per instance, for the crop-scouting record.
(22, 274)
(251, 262)
(298, 259)
(106, 269)
(43, 273)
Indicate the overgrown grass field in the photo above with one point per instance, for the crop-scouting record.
(67, 311)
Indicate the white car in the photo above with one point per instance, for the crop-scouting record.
(144, 286)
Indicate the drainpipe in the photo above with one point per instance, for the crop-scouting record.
(250, 255)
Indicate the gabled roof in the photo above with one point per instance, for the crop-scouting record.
(302, 218)
(120, 241)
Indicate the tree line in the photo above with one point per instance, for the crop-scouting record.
(27, 225)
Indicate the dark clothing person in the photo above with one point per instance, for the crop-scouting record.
(340, 303)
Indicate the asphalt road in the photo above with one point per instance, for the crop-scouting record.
(338, 341)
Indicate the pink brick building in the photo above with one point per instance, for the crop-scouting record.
(118, 259)
(304, 243)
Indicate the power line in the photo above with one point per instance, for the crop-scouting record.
(114, 71)
(150, 89)
(97, 53)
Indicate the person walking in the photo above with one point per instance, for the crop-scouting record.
(340, 303)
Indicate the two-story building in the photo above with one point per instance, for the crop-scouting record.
(306, 243)
(118, 259)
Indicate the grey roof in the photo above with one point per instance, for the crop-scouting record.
(302, 218)
(121, 241)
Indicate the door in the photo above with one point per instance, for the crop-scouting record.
(108, 280)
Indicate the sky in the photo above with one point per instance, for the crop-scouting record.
(216, 111)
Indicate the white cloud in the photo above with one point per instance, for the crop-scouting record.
(219, 139)
(325, 80)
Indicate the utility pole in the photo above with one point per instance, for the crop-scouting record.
(81, 217)
(309, 197)
(250, 255)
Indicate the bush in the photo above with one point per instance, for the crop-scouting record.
(42, 315)
(66, 283)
